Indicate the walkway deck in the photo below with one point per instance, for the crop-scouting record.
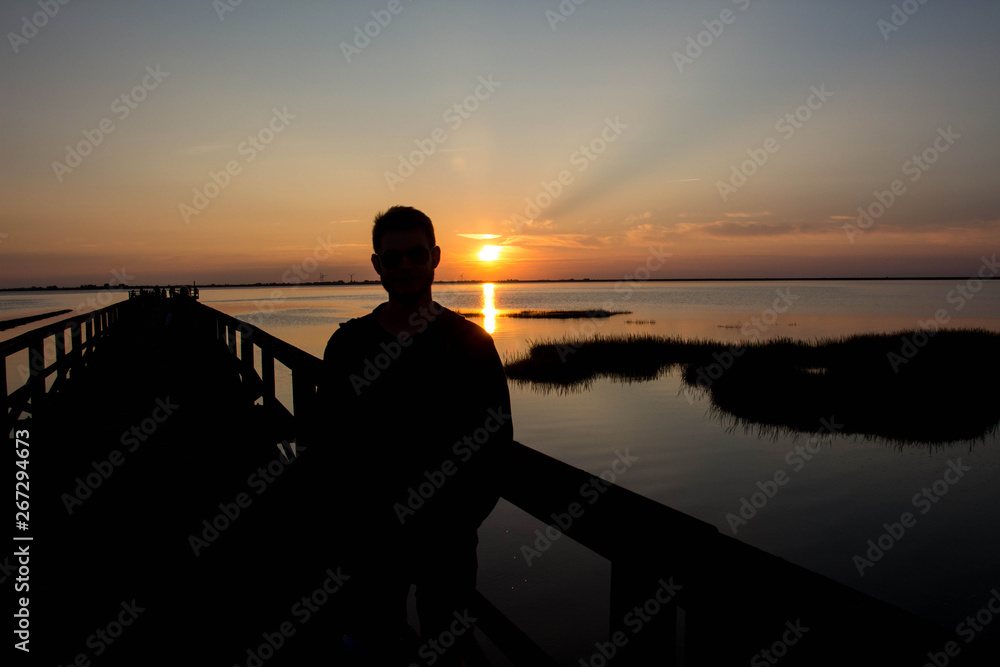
(154, 440)
(142, 450)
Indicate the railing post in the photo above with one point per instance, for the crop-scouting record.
(76, 337)
(70, 356)
(246, 357)
(85, 352)
(61, 373)
(36, 374)
(267, 377)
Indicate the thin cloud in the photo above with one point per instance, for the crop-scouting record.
(646, 233)
(558, 241)
(460, 150)
(445, 150)
(748, 229)
(633, 218)
(200, 149)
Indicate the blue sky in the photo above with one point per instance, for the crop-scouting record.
(335, 125)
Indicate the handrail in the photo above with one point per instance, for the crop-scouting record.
(649, 543)
(704, 614)
(86, 331)
(626, 528)
(241, 339)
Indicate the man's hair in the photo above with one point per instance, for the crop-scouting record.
(398, 219)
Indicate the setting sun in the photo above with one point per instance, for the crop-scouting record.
(490, 253)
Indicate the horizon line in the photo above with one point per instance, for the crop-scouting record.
(341, 283)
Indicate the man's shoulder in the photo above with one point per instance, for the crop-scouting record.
(468, 333)
(351, 332)
(357, 324)
(452, 320)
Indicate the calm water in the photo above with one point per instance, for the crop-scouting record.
(943, 567)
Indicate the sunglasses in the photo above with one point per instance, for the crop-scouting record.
(392, 259)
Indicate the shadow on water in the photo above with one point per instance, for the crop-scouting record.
(905, 387)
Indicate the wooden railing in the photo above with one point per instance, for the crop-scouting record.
(724, 599)
(86, 332)
(709, 598)
(245, 342)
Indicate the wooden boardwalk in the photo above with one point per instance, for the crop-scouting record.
(159, 506)
(126, 464)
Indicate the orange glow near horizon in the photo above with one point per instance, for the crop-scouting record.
(489, 310)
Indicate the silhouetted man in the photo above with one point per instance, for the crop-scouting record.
(416, 403)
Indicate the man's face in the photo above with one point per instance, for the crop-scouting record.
(405, 264)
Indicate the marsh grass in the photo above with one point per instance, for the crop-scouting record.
(877, 385)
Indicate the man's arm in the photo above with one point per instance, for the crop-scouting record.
(487, 466)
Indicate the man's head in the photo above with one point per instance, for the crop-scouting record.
(405, 254)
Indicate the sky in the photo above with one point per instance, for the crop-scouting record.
(228, 142)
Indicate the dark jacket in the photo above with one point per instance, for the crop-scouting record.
(414, 429)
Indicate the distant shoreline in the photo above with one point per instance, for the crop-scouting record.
(341, 283)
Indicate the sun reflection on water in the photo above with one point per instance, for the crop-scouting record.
(489, 311)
